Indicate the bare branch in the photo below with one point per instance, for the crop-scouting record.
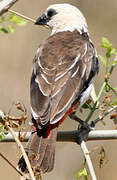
(23, 16)
(105, 114)
(5, 5)
(88, 160)
(11, 164)
(22, 150)
(71, 136)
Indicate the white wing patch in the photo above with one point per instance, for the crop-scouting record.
(75, 72)
(34, 114)
(85, 49)
(83, 72)
(75, 61)
(45, 79)
(72, 66)
(60, 76)
(37, 81)
(85, 95)
(39, 63)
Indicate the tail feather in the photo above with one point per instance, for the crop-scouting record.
(37, 150)
(41, 152)
(48, 159)
(52, 159)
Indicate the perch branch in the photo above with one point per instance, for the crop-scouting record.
(5, 5)
(71, 136)
(88, 160)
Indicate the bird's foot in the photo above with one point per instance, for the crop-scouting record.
(83, 129)
(83, 124)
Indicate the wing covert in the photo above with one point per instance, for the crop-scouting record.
(59, 76)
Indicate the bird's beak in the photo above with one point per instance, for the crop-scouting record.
(42, 20)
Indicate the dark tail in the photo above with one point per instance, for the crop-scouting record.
(41, 152)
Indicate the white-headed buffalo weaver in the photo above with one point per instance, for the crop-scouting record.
(61, 82)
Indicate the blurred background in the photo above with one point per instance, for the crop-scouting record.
(16, 54)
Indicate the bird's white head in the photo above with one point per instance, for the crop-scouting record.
(63, 17)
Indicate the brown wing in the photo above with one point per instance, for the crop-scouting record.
(61, 67)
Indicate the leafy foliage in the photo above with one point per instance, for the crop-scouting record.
(8, 22)
(110, 62)
(17, 20)
(4, 30)
(109, 52)
(109, 100)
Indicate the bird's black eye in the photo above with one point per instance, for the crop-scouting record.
(51, 12)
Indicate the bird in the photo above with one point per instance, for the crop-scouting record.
(64, 67)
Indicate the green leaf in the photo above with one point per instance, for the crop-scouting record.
(110, 51)
(11, 28)
(83, 172)
(106, 43)
(4, 30)
(102, 59)
(115, 61)
(17, 20)
(113, 51)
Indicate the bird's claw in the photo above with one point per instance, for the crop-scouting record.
(83, 124)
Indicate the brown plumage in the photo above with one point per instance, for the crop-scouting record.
(61, 81)
(61, 66)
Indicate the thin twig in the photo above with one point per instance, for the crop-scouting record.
(11, 164)
(21, 15)
(20, 173)
(97, 101)
(112, 89)
(23, 151)
(6, 124)
(105, 114)
(88, 160)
